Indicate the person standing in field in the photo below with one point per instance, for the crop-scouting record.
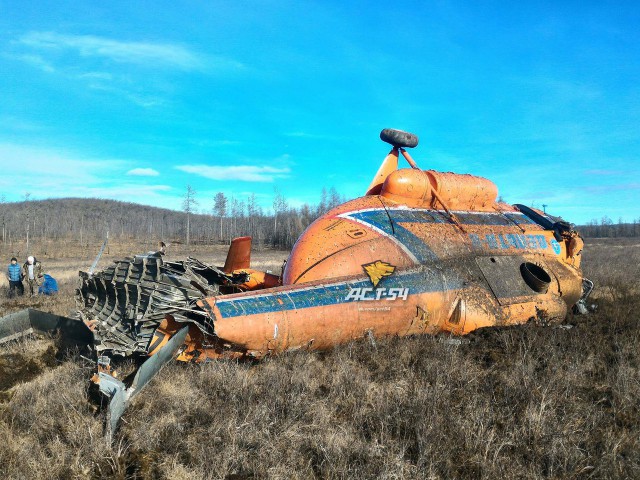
(32, 272)
(162, 250)
(14, 275)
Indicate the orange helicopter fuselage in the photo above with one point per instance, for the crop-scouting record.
(422, 252)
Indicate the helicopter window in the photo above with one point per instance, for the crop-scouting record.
(543, 220)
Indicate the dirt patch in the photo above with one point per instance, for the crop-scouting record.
(22, 366)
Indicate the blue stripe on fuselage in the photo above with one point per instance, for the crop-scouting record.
(420, 281)
(465, 218)
(414, 245)
(417, 282)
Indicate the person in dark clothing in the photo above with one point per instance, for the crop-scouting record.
(14, 275)
(162, 250)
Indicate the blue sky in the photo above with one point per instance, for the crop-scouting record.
(132, 102)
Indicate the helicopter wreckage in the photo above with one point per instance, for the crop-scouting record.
(422, 252)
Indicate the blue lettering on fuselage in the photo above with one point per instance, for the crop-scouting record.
(493, 241)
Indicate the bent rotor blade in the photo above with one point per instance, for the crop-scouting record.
(152, 366)
(120, 396)
(25, 322)
(95, 262)
(14, 326)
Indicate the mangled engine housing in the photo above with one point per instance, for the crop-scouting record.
(125, 303)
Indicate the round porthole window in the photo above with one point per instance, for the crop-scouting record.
(535, 277)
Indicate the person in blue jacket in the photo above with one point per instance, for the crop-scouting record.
(49, 285)
(14, 275)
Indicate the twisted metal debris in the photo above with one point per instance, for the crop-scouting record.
(124, 303)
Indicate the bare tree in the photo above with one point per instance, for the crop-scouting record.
(252, 213)
(323, 206)
(280, 227)
(237, 214)
(3, 200)
(27, 195)
(188, 205)
(279, 206)
(220, 208)
(334, 198)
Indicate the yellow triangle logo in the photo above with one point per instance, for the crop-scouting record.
(377, 270)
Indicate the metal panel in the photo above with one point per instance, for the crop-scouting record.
(26, 321)
(14, 326)
(504, 278)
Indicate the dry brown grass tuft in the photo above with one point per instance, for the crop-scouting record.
(521, 402)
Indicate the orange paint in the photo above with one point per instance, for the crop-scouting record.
(422, 252)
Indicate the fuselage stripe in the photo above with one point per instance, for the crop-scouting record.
(416, 282)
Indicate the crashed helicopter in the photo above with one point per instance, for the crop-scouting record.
(422, 252)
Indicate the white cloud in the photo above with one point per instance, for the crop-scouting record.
(55, 173)
(142, 100)
(127, 191)
(245, 173)
(96, 76)
(148, 54)
(35, 61)
(143, 172)
(125, 52)
(303, 135)
(98, 63)
(33, 167)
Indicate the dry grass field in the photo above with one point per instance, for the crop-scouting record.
(522, 402)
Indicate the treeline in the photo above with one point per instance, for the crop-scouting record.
(606, 228)
(89, 219)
